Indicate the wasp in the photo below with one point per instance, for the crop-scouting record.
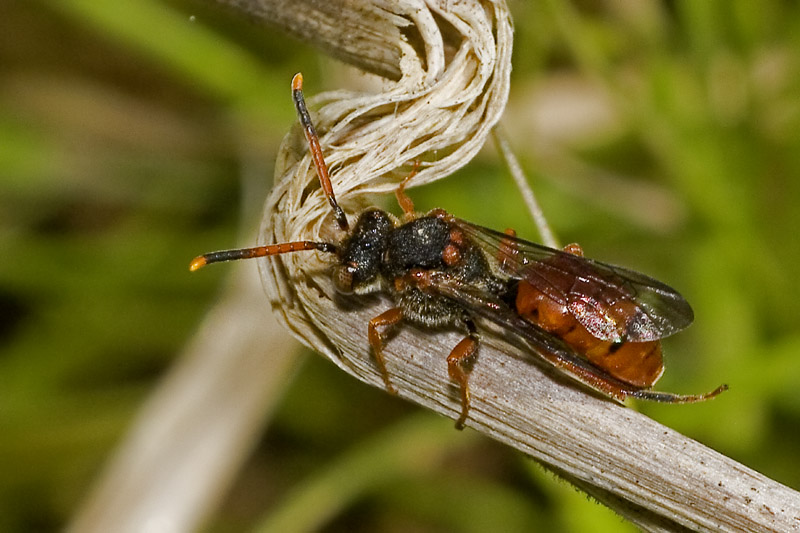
(597, 323)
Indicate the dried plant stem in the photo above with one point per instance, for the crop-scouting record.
(358, 32)
(655, 477)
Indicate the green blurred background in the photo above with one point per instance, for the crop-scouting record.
(662, 135)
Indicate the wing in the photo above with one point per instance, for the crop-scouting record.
(611, 302)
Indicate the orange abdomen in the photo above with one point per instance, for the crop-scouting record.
(636, 363)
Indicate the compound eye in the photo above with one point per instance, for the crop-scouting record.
(343, 278)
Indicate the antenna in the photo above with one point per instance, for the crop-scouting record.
(316, 150)
(324, 180)
(260, 251)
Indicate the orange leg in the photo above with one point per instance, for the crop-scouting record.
(574, 249)
(406, 204)
(459, 358)
(619, 390)
(385, 320)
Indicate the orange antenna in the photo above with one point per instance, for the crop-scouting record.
(316, 149)
(259, 251)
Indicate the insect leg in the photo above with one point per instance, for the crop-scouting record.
(385, 320)
(574, 249)
(668, 397)
(594, 378)
(459, 357)
(585, 374)
(406, 204)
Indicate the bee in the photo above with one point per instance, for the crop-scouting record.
(597, 323)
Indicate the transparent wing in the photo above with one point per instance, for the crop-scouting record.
(611, 302)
